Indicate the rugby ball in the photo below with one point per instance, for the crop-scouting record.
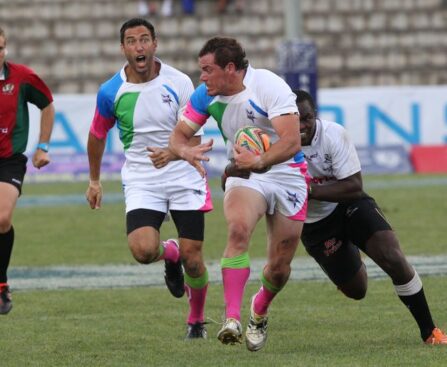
(253, 138)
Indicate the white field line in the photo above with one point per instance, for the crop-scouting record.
(117, 276)
(118, 197)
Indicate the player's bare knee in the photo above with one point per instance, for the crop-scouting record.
(194, 267)
(357, 293)
(393, 262)
(143, 255)
(143, 258)
(383, 247)
(192, 260)
(5, 223)
(191, 249)
(238, 233)
(289, 245)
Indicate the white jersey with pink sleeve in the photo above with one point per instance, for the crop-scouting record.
(330, 157)
(145, 114)
(265, 97)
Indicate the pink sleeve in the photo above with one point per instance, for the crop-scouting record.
(101, 125)
(191, 116)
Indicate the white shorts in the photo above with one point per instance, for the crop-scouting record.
(176, 186)
(283, 187)
(168, 196)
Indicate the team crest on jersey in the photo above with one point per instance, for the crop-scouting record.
(250, 115)
(8, 88)
(311, 157)
(327, 164)
(292, 196)
(166, 98)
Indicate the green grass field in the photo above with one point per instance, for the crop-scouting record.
(311, 324)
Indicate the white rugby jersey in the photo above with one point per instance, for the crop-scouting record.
(330, 157)
(145, 114)
(265, 97)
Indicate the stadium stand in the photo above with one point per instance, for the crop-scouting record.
(72, 44)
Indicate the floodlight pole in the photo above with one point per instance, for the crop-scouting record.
(293, 19)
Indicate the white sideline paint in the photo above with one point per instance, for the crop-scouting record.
(119, 276)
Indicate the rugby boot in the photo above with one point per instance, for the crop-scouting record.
(437, 337)
(256, 333)
(5, 300)
(196, 331)
(231, 332)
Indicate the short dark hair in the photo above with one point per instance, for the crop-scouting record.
(302, 95)
(225, 50)
(136, 22)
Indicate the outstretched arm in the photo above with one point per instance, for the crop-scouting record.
(180, 146)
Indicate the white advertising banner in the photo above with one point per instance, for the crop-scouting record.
(374, 116)
(388, 115)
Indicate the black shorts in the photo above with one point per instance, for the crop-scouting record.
(13, 169)
(334, 241)
(190, 224)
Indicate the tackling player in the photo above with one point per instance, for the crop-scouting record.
(144, 99)
(342, 219)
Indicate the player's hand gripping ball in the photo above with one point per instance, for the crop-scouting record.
(253, 139)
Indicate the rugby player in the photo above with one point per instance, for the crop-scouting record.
(342, 219)
(237, 95)
(144, 99)
(18, 86)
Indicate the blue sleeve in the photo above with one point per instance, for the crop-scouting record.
(200, 100)
(106, 96)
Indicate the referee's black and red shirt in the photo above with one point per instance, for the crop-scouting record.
(21, 85)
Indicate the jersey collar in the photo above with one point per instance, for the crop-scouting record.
(4, 72)
(248, 75)
(318, 129)
(123, 71)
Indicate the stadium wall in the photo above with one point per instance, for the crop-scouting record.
(74, 44)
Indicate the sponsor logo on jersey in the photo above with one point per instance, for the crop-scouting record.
(322, 179)
(166, 98)
(4, 130)
(8, 88)
(250, 115)
(331, 245)
(351, 211)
